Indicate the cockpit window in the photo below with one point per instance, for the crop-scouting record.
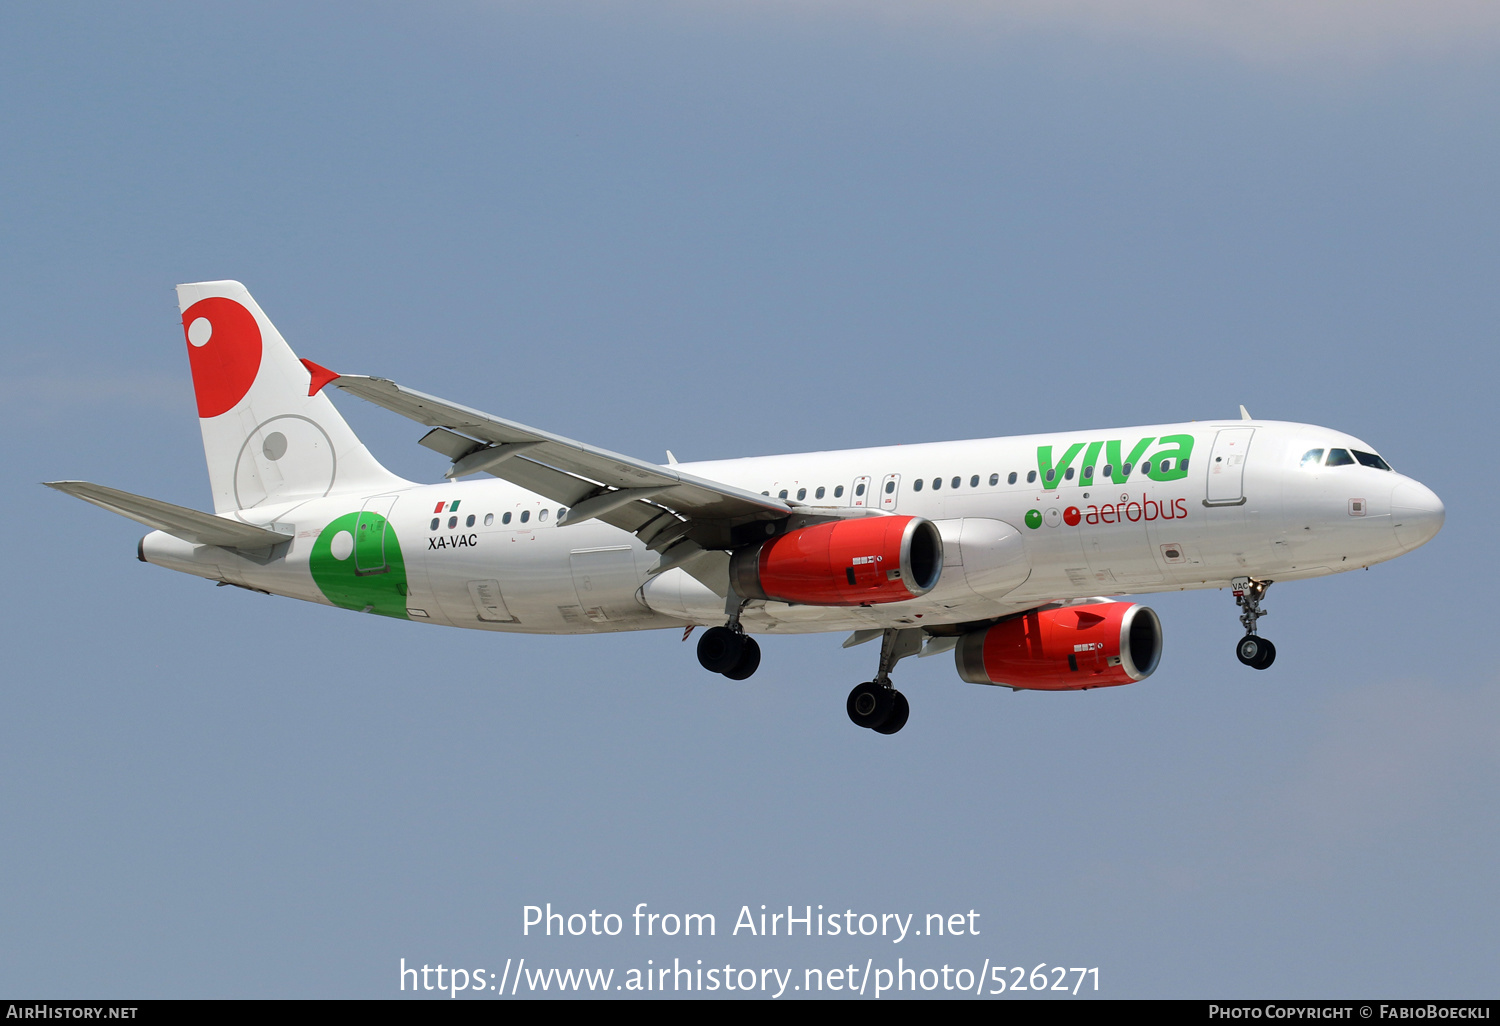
(1340, 458)
(1312, 457)
(1369, 459)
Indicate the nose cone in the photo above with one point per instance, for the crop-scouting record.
(1416, 514)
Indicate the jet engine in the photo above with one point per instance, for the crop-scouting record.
(1094, 645)
(843, 563)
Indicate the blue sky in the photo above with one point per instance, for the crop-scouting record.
(738, 229)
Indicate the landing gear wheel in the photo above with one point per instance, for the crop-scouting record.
(871, 704)
(897, 719)
(749, 660)
(720, 649)
(1269, 657)
(1255, 652)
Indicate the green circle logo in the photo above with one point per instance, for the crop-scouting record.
(1033, 519)
(356, 563)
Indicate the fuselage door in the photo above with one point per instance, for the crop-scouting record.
(1226, 467)
(859, 494)
(890, 491)
(369, 535)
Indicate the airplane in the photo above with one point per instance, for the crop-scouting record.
(999, 550)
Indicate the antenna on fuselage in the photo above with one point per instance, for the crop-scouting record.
(1244, 413)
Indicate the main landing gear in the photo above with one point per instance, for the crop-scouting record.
(1252, 650)
(877, 704)
(728, 649)
(731, 652)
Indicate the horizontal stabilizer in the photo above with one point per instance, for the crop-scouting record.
(190, 525)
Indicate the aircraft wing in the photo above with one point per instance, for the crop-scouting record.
(660, 504)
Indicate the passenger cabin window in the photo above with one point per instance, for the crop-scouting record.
(1146, 467)
(505, 518)
(1030, 476)
(956, 482)
(819, 493)
(1068, 474)
(890, 486)
(858, 490)
(937, 483)
(1012, 478)
(1051, 474)
(1088, 472)
(838, 491)
(801, 494)
(974, 481)
(994, 479)
(1311, 458)
(1109, 470)
(1340, 458)
(436, 523)
(452, 523)
(542, 516)
(1125, 470)
(1165, 465)
(525, 515)
(1369, 459)
(489, 519)
(781, 494)
(470, 521)
(916, 485)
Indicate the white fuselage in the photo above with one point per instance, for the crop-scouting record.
(1246, 506)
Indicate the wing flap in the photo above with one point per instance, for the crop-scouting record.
(567, 489)
(451, 445)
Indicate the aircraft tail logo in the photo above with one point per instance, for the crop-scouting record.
(266, 439)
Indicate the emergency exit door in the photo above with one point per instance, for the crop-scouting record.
(859, 494)
(890, 491)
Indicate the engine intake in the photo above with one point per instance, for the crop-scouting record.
(843, 563)
(1096, 645)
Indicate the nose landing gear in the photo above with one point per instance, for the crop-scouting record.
(877, 704)
(1255, 652)
(1252, 650)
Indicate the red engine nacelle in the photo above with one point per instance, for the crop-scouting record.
(843, 563)
(1088, 646)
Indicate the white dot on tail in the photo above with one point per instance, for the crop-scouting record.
(200, 331)
(342, 545)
